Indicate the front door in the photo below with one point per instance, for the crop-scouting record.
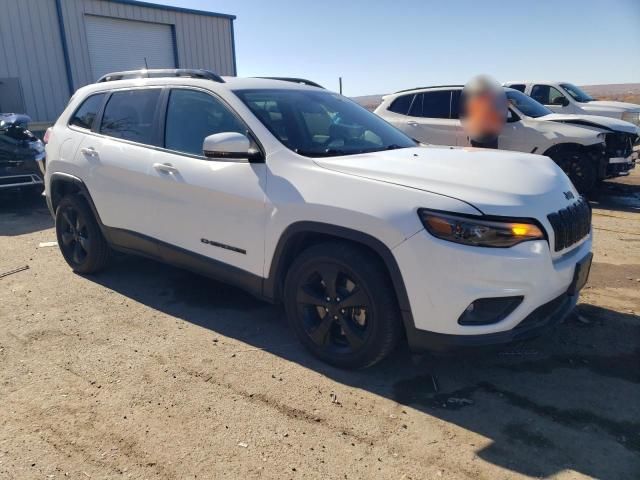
(552, 98)
(215, 208)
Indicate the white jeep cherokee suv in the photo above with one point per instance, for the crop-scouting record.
(299, 195)
(586, 150)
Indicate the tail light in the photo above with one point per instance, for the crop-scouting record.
(47, 135)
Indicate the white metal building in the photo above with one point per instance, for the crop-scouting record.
(50, 48)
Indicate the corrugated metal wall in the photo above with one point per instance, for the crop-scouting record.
(31, 50)
(202, 41)
(31, 46)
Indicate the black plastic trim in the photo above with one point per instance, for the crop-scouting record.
(133, 242)
(535, 324)
(272, 285)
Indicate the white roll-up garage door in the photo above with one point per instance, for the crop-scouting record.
(116, 45)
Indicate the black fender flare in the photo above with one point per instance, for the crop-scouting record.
(272, 285)
(58, 188)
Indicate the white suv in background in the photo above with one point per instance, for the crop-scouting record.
(299, 195)
(588, 150)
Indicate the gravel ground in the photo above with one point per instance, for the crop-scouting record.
(146, 371)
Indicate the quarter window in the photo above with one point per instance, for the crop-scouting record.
(545, 94)
(518, 86)
(192, 116)
(87, 112)
(130, 115)
(401, 104)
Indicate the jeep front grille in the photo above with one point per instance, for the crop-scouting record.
(571, 224)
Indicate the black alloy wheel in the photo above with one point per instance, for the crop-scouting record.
(79, 237)
(334, 309)
(341, 304)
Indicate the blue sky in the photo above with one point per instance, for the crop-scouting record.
(382, 46)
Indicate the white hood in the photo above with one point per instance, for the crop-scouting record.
(497, 182)
(608, 107)
(607, 123)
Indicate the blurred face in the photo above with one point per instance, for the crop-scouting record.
(484, 109)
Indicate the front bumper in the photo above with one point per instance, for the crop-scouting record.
(21, 173)
(620, 166)
(449, 277)
(535, 324)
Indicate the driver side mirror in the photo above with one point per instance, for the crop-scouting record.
(512, 117)
(231, 146)
(560, 101)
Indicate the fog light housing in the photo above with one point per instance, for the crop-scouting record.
(486, 311)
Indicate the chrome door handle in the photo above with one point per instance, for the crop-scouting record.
(411, 123)
(165, 168)
(89, 151)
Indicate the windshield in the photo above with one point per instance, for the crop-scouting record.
(527, 105)
(322, 124)
(577, 94)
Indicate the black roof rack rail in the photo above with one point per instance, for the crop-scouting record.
(162, 72)
(432, 86)
(302, 81)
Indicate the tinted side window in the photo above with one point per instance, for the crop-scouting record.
(518, 86)
(192, 116)
(87, 112)
(455, 104)
(545, 94)
(129, 115)
(416, 106)
(401, 104)
(436, 104)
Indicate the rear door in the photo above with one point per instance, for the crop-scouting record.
(117, 158)
(430, 118)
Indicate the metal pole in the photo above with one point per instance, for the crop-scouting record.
(340, 81)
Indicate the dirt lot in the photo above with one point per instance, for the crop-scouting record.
(145, 371)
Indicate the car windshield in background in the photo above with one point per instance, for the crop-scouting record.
(577, 94)
(527, 105)
(322, 124)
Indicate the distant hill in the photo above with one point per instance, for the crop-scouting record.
(623, 92)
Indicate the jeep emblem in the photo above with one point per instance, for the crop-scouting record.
(568, 195)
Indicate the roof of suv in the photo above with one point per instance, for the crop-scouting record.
(200, 78)
(426, 88)
(421, 89)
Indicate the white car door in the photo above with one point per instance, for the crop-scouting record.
(552, 98)
(430, 121)
(517, 136)
(116, 158)
(215, 208)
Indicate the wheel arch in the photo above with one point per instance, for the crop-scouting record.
(301, 235)
(559, 148)
(62, 184)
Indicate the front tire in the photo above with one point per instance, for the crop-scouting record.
(79, 237)
(341, 304)
(580, 168)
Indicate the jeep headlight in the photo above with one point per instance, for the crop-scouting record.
(632, 117)
(481, 231)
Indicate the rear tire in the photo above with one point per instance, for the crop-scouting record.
(341, 304)
(79, 237)
(580, 168)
